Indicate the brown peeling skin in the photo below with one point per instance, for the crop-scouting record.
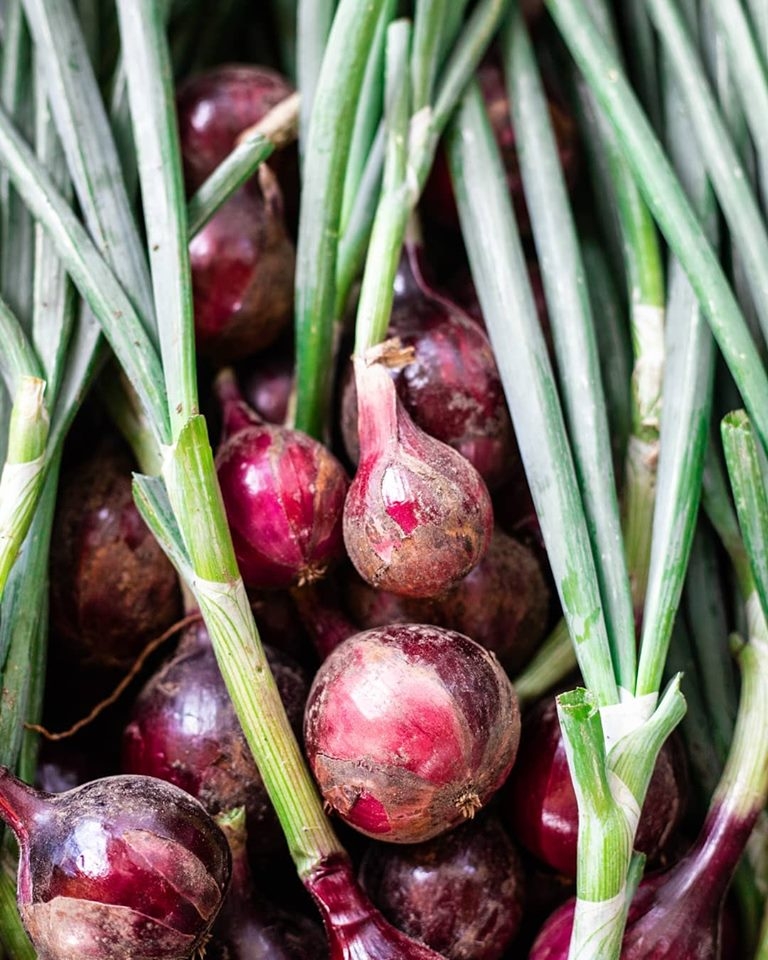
(503, 603)
(461, 894)
(112, 587)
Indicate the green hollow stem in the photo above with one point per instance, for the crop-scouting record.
(326, 152)
(277, 129)
(501, 278)
(645, 285)
(313, 26)
(668, 204)
(428, 24)
(23, 473)
(610, 789)
(552, 663)
(570, 314)
(391, 219)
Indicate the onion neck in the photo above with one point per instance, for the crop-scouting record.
(20, 804)
(377, 407)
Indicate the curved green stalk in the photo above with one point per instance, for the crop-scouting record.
(551, 664)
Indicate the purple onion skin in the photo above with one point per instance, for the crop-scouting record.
(267, 382)
(410, 730)
(284, 495)
(356, 930)
(503, 603)
(215, 107)
(461, 894)
(112, 587)
(120, 867)
(418, 516)
(242, 265)
(677, 914)
(452, 389)
(539, 803)
(326, 624)
(184, 730)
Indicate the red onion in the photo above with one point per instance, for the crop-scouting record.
(539, 802)
(284, 495)
(120, 867)
(356, 929)
(214, 107)
(418, 516)
(184, 730)
(326, 624)
(503, 603)
(409, 730)
(452, 388)
(112, 587)
(267, 381)
(242, 273)
(461, 894)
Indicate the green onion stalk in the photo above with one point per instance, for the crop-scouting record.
(615, 728)
(646, 295)
(327, 259)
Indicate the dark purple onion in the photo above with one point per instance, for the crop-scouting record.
(214, 107)
(184, 730)
(242, 273)
(250, 927)
(462, 894)
(326, 624)
(410, 730)
(112, 587)
(503, 603)
(539, 803)
(284, 494)
(267, 381)
(418, 516)
(356, 929)
(120, 867)
(452, 388)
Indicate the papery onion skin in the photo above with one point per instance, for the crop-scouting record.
(410, 730)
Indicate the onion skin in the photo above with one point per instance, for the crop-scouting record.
(184, 730)
(356, 929)
(410, 730)
(120, 867)
(112, 587)
(418, 516)
(539, 803)
(284, 495)
(267, 382)
(503, 603)
(461, 894)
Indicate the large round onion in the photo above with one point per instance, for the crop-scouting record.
(409, 730)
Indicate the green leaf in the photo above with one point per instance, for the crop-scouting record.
(570, 313)
(501, 277)
(152, 501)
(668, 204)
(155, 131)
(748, 483)
(313, 27)
(326, 153)
(96, 282)
(94, 165)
